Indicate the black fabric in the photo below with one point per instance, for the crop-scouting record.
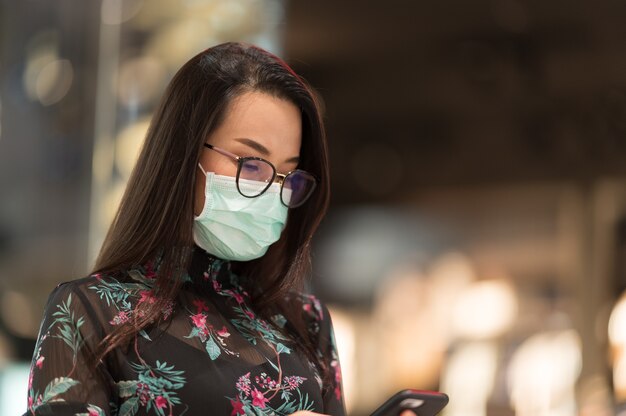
(211, 355)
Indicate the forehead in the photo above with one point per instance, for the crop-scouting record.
(274, 122)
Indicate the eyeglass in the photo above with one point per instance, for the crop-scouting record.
(256, 175)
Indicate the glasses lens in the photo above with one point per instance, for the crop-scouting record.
(297, 188)
(255, 176)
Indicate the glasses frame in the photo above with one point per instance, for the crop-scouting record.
(243, 159)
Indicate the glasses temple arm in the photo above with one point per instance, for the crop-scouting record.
(222, 151)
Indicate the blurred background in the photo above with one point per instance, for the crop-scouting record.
(476, 239)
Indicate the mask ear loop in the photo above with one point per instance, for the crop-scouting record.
(202, 169)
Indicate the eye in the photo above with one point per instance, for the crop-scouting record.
(250, 167)
(258, 170)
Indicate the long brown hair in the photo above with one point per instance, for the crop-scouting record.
(155, 216)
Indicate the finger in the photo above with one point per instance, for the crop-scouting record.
(407, 413)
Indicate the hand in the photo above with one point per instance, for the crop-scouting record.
(407, 413)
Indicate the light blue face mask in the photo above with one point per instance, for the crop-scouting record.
(233, 227)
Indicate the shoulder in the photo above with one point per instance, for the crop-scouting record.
(77, 289)
(312, 306)
(94, 285)
(101, 296)
(314, 311)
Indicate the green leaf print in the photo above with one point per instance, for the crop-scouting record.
(116, 293)
(126, 388)
(273, 365)
(212, 348)
(57, 386)
(251, 328)
(159, 381)
(305, 404)
(291, 406)
(255, 411)
(285, 395)
(287, 408)
(281, 348)
(279, 320)
(194, 332)
(129, 407)
(70, 327)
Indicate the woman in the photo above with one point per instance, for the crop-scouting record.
(194, 305)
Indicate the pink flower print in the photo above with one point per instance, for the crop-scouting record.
(318, 308)
(249, 314)
(93, 412)
(205, 333)
(217, 286)
(120, 318)
(150, 274)
(160, 402)
(98, 276)
(200, 305)
(237, 297)
(199, 320)
(237, 408)
(309, 307)
(243, 384)
(337, 368)
(146, 296)
(258, 399)
(265, 381)
(168, 309)
(39, 362)
(293, 382)
(30, 401)
(143, 391)
(206, 275)
(335, 365)
(223, 332)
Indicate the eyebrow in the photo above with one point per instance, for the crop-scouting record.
(253, 144)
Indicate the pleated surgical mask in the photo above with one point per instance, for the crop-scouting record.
(234, 227)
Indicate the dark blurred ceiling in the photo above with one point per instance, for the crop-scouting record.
(428, 94)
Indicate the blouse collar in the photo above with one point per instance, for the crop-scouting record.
(207, 269)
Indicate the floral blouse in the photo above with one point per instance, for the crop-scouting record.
(213, 356)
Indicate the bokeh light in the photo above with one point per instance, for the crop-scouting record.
(543, 373)
(140, 81)
(471, 364)
(617, 339)
(486, 309)
(16, 311)
(115, 12)
(128, 146)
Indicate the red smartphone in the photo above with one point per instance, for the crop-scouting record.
(421, 402)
